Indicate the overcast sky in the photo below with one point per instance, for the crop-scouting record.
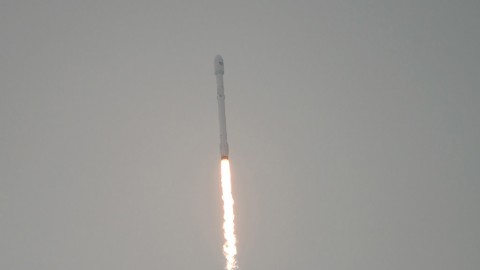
(354, 132)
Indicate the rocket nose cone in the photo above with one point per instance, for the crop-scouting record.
(219, 69)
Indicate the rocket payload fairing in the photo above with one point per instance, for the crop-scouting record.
(222, 120)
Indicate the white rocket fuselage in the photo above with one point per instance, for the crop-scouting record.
(222, 120)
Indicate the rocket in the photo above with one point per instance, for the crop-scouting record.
(222, 120)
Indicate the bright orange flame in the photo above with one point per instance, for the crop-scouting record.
(229, 248)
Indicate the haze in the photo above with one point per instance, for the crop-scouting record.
(353, 128)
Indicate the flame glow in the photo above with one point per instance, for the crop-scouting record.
(229, 248)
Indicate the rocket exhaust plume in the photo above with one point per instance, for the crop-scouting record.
(229, 247)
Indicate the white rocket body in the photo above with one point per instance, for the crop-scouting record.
(222, 120)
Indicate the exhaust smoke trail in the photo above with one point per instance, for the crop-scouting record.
(229, 248)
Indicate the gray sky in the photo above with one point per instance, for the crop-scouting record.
(353, 126)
